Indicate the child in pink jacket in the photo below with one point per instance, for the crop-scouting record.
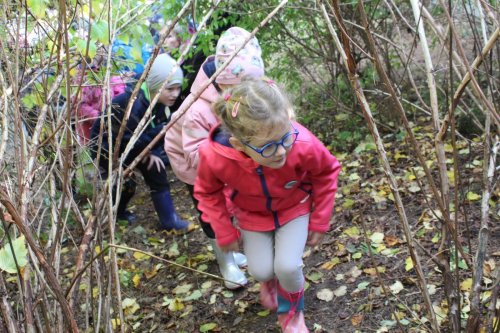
(90, 105)
(282, 183)
(183, 139)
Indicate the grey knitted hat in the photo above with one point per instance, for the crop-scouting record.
(162, 66)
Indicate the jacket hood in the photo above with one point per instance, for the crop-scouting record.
(229, 152)
(210, 94)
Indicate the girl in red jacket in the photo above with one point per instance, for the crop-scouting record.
(281, 183)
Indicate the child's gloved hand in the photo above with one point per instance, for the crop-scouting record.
(314, 238)
(232, 247)
(154, 160)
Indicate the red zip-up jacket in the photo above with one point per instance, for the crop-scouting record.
(262, 198)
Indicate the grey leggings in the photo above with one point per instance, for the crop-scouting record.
(278, 253)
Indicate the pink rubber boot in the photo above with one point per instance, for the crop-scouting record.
(291, 311)
(268, 294)
(295, 324)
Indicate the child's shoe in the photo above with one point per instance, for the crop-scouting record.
(295, 324)
(170, 222)
(269, 294)
(233, 276)
(291, 311)
(240, 259)
(128, 216)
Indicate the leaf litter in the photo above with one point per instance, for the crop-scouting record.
(344, 278)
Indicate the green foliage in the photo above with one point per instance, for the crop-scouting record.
(100, 32)
(125, 277)
(37, 7)
(12, 254)
(81, 46)
(83, 175)
(29, 100)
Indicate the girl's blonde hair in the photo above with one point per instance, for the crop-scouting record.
(253, 105)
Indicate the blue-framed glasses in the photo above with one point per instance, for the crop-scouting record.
(270, 148)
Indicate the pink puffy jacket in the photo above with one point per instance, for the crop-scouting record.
(184, 138)
(262, 198)
(90, 106)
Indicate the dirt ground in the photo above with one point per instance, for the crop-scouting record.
(344, 291)
(232, 311)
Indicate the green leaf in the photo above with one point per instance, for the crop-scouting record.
(7, 262)
(357, 255)
(471, 196)
(136, 55)
(377, 237)
(363, 285)
(342, 117)
(182, 289)
(352, 231)
(125, 277)
(263, 313)
(194, 296)
(314, 276)
(37, 7)
(202, 268)
(29, 101)
(173, 251)
(348, 203)
(207, 327)
(396, 287)
(100, 31)
(81, 46)
(354, 176)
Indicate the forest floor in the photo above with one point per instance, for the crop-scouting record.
(359, 280)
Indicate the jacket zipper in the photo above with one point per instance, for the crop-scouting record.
(233, 195)
(269, 200)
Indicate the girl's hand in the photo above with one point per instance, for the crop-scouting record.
(154, 161)
(314, 238)
(232, 247)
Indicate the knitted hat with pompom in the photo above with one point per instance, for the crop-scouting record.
(247, 62)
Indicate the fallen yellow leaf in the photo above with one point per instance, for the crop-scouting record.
(136, 280)
(176, 305)
(140, 255)
(466, 284)
(408, 264)
(330, 264)
(115, 322)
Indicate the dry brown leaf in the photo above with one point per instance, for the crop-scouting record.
(340, 291)
(391, 240)
(152, 272)
(356, 319)
(488, 267)
(325, 295)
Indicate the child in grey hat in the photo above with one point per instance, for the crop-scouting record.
(152, 167)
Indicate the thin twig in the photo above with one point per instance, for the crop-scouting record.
(348, 61)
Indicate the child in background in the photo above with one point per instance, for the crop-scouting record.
(188, 133)
(90, 105)
(173, 41)
(281, 181)
(153, 166)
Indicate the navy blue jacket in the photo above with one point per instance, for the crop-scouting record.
(141, 104)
